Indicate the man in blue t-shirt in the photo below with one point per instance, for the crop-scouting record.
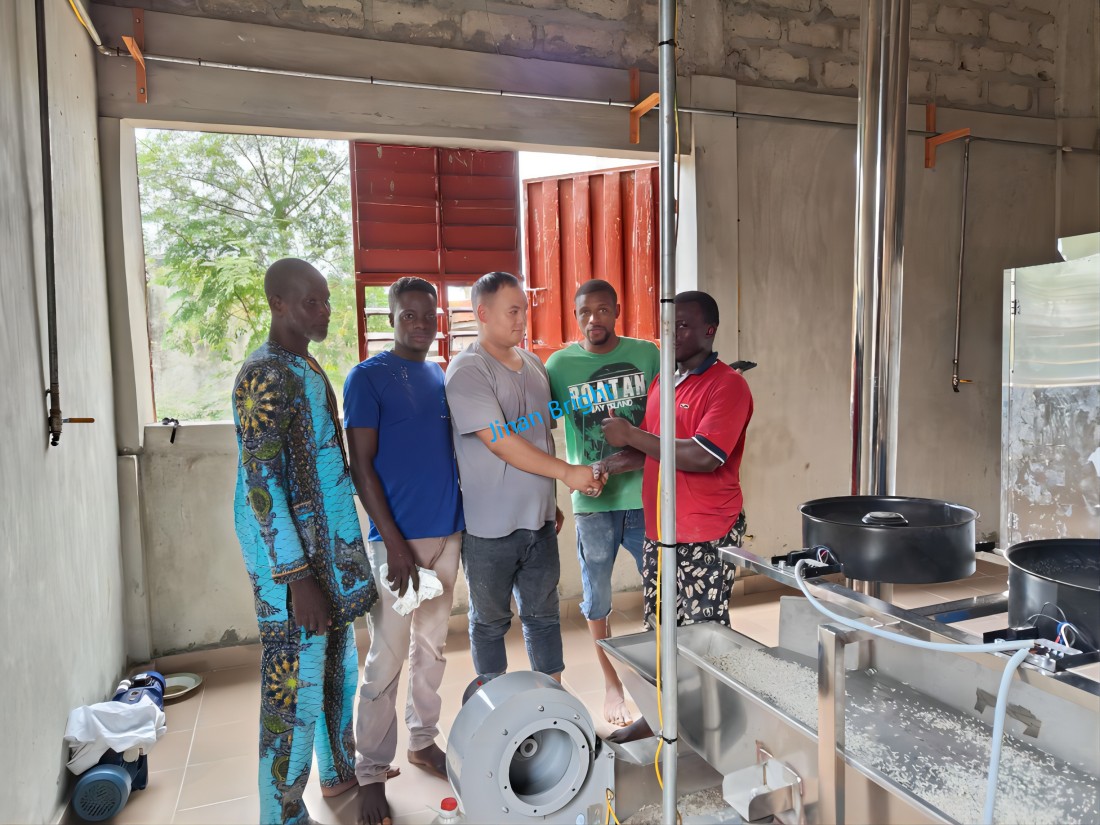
(403, 466)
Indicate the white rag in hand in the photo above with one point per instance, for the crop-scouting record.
(430, 587)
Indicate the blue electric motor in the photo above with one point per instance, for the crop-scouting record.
(102, 791)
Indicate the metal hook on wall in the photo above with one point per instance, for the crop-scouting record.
(175, 426)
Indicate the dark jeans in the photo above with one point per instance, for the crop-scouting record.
(525, 563)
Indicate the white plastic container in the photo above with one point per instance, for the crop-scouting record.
(448, 812)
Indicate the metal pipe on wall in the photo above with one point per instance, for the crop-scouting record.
(54, 392)
(666, 78)
(880, 225)
(955, 380)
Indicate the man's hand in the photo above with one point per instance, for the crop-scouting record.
(311, 609)
(559, 520)
(580, 477)
(402, 567)
(616, 430)
(600, 470)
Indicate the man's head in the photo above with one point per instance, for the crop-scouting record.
(412, 315)
(696, 324)
(501, 309)
(299, 299)
(596, 308)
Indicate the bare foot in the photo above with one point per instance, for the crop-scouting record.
(336, 790)
(373, 807)
(431, 759)
(614, 707)
(392, 772)
(636, 730)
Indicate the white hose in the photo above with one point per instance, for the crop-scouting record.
(1021, 647)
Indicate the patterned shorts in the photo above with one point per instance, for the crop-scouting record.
(703, 581)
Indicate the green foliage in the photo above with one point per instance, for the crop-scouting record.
(217, 210)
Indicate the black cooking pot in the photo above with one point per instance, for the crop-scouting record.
(1056, 577)
(893, 539)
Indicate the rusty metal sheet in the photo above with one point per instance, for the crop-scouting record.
(601, 224)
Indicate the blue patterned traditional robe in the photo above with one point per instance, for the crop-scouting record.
(295, 516)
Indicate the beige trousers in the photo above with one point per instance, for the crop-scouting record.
(419, 637)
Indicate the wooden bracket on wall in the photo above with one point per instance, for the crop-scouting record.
(135, 45)
(931, 143)
(641, 107)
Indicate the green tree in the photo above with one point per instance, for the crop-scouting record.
(217, 210)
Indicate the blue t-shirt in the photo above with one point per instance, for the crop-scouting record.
(406, 402)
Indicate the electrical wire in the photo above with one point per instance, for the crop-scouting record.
(1021, 648)
(72, 5)
(1065, 628)
(657, 622)
(610, 810)
(1042, 614)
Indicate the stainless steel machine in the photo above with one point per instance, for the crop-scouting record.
(870, 731)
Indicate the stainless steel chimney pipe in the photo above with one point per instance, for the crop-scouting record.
(880, 226)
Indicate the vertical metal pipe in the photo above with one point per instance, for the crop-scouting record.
(955, 380)
(666, 68)
(830, 725)
(54, 391)
(880, 199)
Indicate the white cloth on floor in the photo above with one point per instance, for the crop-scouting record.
(430, 587)
(94, 729)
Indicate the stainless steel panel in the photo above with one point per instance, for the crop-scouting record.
(1050, 455)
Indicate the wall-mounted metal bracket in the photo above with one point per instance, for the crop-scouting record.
(135, 45)
(936, 140)
(641, 107)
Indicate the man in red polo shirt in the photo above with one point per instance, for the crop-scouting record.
(713, 408)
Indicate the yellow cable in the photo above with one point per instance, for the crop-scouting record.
(657, 620)
(72, 5)
(610, 810)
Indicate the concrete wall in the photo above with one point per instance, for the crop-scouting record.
(797, 228)
(994, 55)
(197, 587)
(60, 589)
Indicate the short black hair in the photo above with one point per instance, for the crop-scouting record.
(596, 285)
(707, 305)
(489, 283)
(409, 284)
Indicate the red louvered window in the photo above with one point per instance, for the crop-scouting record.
(445, 215)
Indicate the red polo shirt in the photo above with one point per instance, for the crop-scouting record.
(713, 408)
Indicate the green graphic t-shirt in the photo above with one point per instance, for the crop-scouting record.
(617, 380)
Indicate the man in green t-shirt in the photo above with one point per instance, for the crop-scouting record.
(603, 372)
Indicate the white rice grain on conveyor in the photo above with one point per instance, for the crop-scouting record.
(1034, 788)
(699, 803)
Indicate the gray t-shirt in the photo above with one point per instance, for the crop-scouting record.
(482, 393)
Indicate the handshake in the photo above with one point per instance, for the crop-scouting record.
(587, 479)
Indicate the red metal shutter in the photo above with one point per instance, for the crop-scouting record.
(445, 215)
(600, 224)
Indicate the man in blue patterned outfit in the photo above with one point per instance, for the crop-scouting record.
(303, 547)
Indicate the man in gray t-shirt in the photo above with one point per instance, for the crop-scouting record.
(499, 397)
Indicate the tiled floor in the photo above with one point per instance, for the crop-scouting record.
(205, 768)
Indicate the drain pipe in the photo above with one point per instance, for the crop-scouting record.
(54, 391)
(666, 86)
(955, 380)
(880, 224)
